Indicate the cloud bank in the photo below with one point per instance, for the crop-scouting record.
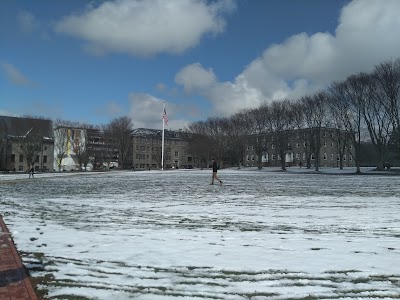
(146, 28)
(146, 112)
(367, 34)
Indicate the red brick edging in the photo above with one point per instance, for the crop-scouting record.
(14, 280)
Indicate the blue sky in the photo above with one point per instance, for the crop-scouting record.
(91, 61)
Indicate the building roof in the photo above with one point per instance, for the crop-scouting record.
(168, 134)
(14, 127)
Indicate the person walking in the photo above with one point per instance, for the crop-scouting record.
(31, 171)
(214, 172)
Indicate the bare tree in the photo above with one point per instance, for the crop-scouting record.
(217, 135)
(78, 141)
(382, 112)
(234, 129)
(282, 126)
(315, 116)
(377, 117)
(309, 130)
(259, 135)
(387, 82)
(121, 129)
(340, 137)
(61, 139)
(198, 142)
(105, 152)
(350, 96)
(29, 137)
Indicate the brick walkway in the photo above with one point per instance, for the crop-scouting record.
(14, 282)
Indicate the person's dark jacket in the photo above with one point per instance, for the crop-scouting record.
(215, 166)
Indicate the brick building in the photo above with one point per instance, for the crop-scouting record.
(25, 142)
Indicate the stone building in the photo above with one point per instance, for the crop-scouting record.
(147, 148)
(25, 142)
(296, 151)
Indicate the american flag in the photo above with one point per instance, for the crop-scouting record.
(165, 117)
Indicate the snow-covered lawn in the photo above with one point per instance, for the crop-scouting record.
(170, 235)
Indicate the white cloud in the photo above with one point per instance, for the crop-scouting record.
(148, 27)
(367, 35)
(146, 112)
(194, 78)
(14, 75)
(27, 21)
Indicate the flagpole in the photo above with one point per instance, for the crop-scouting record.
(162, 146)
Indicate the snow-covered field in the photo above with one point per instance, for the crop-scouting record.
(170, 235)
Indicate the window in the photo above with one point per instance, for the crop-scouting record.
(45, 147)
(305, 144)
(252, 157)
(45, 159)
(12, 157)
(331, 156)
(297, 145)
(344, 157)
(247, 158)
(272, 146)
(176, 153)
(331, 144)
(297, 155)
(312, 156)
(273, 157)
(325, 156)
(248, 147)
(21, 158)
(37, 159)
(324, 143)
(20, 168)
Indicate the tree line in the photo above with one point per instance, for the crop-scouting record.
(363, 108)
